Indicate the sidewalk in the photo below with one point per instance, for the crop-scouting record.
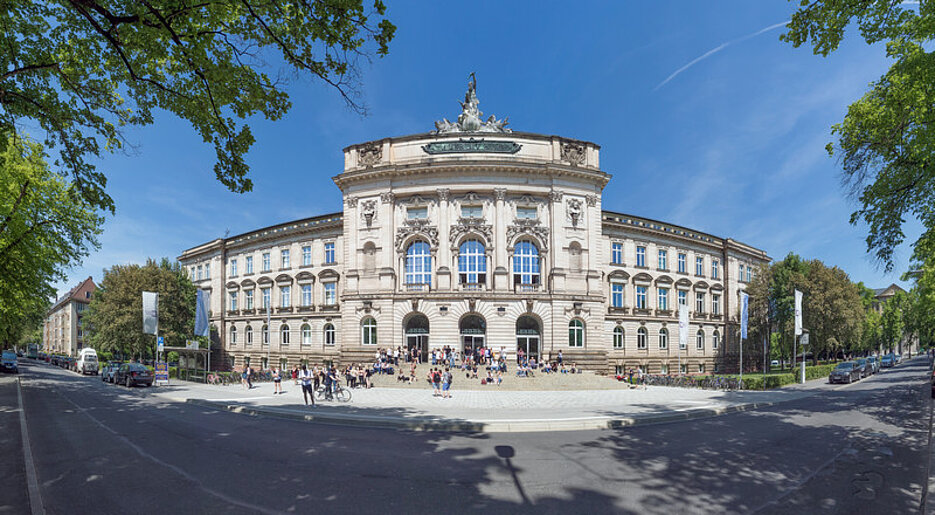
(487, 411)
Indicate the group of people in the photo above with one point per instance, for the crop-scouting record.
(440, 381)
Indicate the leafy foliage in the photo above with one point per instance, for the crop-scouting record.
(83, 69)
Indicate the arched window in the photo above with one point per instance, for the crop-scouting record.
(248, 331)
(368, 331)
(370, 257)
(641, 338)
(418, 263)
(576, 333)
(265, 334)
(233, 338)
(329, 334)
(663, 339)
(618, 337)
(284, 335)
(715, 340)
(699, 340)
(574, 256)
(306, 334)
(472, 263)
(526, 263)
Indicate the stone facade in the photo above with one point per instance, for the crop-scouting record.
(471, 239)
(63, 330)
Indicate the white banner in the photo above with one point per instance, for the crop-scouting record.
(150, 312)
(798, 313)
(683, 325)
(744, 317)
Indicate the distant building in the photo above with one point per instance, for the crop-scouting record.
(881, 295)
(63, 329)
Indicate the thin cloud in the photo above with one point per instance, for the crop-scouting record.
(717, 49)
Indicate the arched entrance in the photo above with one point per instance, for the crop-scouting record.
(417, 335)
(473, 329)
(528, 336)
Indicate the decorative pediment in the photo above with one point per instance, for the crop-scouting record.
(717, 287)
(247, 283)
(471, 198)
(328, 273)
(420, 227)
(526, 200)
(232, 285)
(643, 278)
(618, 275)
(683, 283)
(305, 277)
(283, 278)
(264, 280)
(417, 200)
(468, 226)
(528, 227)
(664, 279)
(701, 285)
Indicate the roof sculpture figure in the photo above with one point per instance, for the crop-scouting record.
(470, 119)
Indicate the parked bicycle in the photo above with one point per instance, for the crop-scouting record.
(340, 393)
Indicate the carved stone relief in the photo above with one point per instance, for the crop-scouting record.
(443, 194)
(592, 200)
(350, 201)
(555, 196)
(419, 227)
(368, 212)
(370, 154)
(573, 153)
(530, 227)
(387, 197)
(499, 194)
(573, 211)
(469, 225)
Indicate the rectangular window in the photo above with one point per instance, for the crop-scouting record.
(664, 369)
(307, 255)
(663, 260)
(699, 341)
(616, 295)
(331, 291)
(715, 304)
(528, 213)
(616, 253)
(207, 270)
(701, 368)
(329, 252)
(285, 296)
(641, 297)
(201, 272)
(663, 298)
(699, 302)
(233, 267)
(715, 269)
(284, 259)
(749, 273)
(266, 298)
(618, 338)
(417, 213)
(683, 298)
(640, 256)
(249, 269)
(472, 211)
(248, 299)
(266, 262)
(194, 277)
(682, 264)
(306, 295)
(699, 266)
(233, 300)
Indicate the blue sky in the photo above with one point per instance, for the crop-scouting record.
(705, 120)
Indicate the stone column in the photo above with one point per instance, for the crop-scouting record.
(444, 245)
(501, 216)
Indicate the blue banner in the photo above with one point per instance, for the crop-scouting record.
(202, 327)
(744, 301)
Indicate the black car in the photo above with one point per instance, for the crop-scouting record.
(846, 372)
(131, 374)
(866, 369)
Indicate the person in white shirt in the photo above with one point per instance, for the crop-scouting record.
(305, 376)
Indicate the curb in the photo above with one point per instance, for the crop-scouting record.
(493, 426)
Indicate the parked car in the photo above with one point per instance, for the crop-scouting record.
(866, 369)
(131, 374)
(898, 358)
(846, 372)
(774, 363)
(887, 361)
(109, 371)
(8, 362)
(874, 364)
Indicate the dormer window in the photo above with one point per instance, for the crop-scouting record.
(417, 213)
(527, 212)
(472, 211)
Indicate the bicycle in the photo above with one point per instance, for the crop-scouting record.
(340, 394)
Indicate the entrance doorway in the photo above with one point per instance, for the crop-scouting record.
(527, 337)
(417, 336)
(473, 329)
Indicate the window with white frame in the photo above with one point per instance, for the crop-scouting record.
(683, 368)
(616, 295)
(699, 340)
(265, 331)
(249, 264)
(233, 300)
(417, 213)
(418, 263)
(306, 334)
(699, 266)
(472, 263)
(683, 298)
(616, 253)
(233, 337)
(526, 263)
(641, 256)
(307, 255)
(329, 253)
(715, 340)
(715, 269)
(328, 331)
(699, 302)
(331, 293)
(641, 297)
(682, 265)
(248, 299)
(284, 335)
(201, 272)
(576, 333)
(472, 211)
(663, 300)
(663, 339)
(749, 273)
(715, 304)
(663, 259)
(527, 212)
(642, 338)
(194, 277)
(207, 270)
(618, 337)
(233, 263)
(306, 295)
(266, 297)
(266, 262)
(285, 296)
(248, 335)
(664, 368)
(284, 261)
(368, 331)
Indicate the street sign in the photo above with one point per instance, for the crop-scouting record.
(803, 340)
(160, 343)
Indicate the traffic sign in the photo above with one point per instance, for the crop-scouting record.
(160, 343)
(803, 340)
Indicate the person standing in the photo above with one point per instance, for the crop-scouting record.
(277, 381)
(329, 382)
(446, 384)
(560, 357)
(305, 376)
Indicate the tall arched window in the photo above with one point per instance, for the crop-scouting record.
(663, 339)
(699, 340)
(618, 337)
(248, 331)
(306, 334)
(526, 263)
(284, 335)
(233, 338)
(472, 263)
(329, 334)
(576, 333)
(418, 263)
(265, 334)
(368, 331)
(641, 338)
(715, 340)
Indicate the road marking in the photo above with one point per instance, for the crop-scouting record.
(32, 479)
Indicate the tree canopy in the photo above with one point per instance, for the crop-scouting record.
(84, 69)
(886, 141)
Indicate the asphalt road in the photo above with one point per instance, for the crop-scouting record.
(105, 449)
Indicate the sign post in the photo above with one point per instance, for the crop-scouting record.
(803, 340)
(683, 332)
(798, 331)
(744, 318)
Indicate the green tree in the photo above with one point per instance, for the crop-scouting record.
(85, 69)
(832, 310)
(886, 139)
(46, 227)
(116, 310)
(892, 325)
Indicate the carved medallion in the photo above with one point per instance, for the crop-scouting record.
(573, 153)
(387, 197)
(370, 154)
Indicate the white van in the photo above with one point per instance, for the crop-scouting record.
(87, 362)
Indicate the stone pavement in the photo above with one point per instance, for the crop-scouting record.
(488, 410)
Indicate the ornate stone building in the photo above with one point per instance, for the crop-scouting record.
(474, 235)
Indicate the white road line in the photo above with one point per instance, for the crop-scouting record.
(32, 479)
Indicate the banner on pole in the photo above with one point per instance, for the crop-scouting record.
(744, 317)
(202, 327)
(798, 313)
(150, 312)
(683, 325)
